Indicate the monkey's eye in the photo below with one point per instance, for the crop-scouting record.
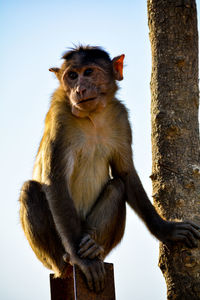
(88, 72)
(72, 75)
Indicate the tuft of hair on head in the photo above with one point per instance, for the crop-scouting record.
(90, 53)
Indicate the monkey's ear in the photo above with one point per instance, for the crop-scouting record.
(55, 71)
(118, 66)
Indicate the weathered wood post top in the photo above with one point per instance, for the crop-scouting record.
(74, 287)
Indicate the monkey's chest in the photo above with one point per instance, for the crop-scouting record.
(87, 171)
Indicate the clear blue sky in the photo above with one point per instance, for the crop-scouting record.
(34, 34)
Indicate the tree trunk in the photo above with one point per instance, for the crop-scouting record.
(175, 134)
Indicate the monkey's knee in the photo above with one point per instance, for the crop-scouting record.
(37, 223)
(118, 184)
(30, 190)
(115, 189)
(33, 206)
(108, 215)
(109, 204)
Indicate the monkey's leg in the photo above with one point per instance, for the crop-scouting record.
(108, 215)
(39, 228)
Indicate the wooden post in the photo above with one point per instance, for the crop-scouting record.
(74, 287)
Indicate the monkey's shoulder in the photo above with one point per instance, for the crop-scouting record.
(120, 118)
(119, 108)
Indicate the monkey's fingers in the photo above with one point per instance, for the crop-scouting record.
(192, 228)
(88, 251)
(92, 252)
(94, 273)
(193, 224)
(98, 275)
(184, 239)
(97, 253)
(85, 245)
(188, 232)
(103, 272)
(185, 232)
(191, 239)
(95, 279)
(85, 239)
(88, 276)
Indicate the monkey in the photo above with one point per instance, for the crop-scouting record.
(73, 210)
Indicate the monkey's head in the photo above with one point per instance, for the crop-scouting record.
(88, 77)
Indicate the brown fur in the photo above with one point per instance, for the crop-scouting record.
(75, 205)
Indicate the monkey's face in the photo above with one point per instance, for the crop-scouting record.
(88, 86)
(88, 78)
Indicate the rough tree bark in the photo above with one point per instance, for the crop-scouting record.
(175, 134)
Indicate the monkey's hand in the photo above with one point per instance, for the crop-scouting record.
(93, 269)
(88, 248)
(185, 232)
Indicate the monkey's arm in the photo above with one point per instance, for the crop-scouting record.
(123, 167)
(68, 226)
(165, 231)
(66, 219)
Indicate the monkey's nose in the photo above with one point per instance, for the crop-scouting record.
(80, 91)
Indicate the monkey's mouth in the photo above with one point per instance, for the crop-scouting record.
(86, 100)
